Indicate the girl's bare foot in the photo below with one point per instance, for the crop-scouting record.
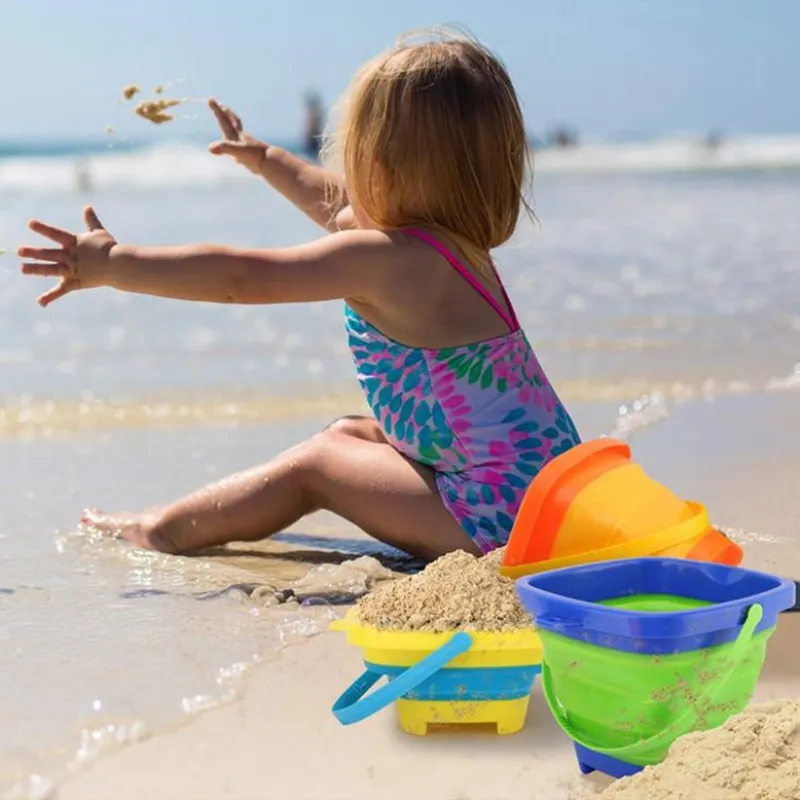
(140, 529)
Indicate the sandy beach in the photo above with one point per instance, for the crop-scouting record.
(279, 739)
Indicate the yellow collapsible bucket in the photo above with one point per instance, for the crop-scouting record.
(456, 678)
(593, 503)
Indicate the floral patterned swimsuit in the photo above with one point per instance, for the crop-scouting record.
(483, 415)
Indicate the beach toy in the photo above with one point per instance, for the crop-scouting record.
(639, 652)
(593, 503)
(460, 678)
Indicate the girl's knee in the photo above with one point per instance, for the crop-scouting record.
(358, 427)
(311, 466)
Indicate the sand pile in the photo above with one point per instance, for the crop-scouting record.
(755, 755)
(455, 591)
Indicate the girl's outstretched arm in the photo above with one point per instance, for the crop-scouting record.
(316, 192)
(337, 266)
(354, 264)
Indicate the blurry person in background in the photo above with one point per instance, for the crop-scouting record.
(312, 138)
(83, 177)
(713, 141)
(563, 137)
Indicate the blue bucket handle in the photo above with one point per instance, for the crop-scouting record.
(352, 706)
(678, 728)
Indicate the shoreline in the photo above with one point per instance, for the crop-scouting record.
(264, 743)
(39, 418)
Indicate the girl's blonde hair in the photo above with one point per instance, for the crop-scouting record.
(432, 134)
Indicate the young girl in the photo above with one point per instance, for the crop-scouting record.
(434, 152)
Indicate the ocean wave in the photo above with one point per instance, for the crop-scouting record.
(685, 154)
(163, 166)
(644, 412)
(790, 381)
(177, 164)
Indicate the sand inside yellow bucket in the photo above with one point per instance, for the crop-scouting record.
(455, 592)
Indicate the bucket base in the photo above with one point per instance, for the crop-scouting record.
(591, 761)
(508, 716)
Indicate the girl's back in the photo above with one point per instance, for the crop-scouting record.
(476, 407)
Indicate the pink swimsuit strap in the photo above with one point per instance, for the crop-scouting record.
(510, 317)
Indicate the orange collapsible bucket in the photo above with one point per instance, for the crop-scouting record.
(593, 503)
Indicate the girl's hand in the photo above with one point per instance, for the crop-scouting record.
(245, 149)
(81, 262)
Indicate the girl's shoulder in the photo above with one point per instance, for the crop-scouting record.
(389, 255)
(389, 247)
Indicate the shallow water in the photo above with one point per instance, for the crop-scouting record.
(102, 643)
(93, 657)
(678, 281)
(638, 292)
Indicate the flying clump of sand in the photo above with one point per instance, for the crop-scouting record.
(457, 591)
(755, 755)
(153, 110)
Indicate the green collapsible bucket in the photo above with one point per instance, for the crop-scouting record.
(640, 652)
(632, 706)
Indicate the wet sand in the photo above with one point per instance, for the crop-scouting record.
(738, 455)
(281, 741)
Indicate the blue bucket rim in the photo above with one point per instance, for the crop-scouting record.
(609, 620)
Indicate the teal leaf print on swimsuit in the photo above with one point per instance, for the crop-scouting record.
(422, 413)
(528, 426)
(514, 415)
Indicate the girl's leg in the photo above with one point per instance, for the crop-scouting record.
(348, 469)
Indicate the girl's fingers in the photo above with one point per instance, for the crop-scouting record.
(223, 120)
(43, 253)
(241, 151)
(65, 287)
(56, 234)
(235, 120)
(46, 270)
(223, 148)
(92, 220)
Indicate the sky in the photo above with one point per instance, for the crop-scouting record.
(605, 67)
